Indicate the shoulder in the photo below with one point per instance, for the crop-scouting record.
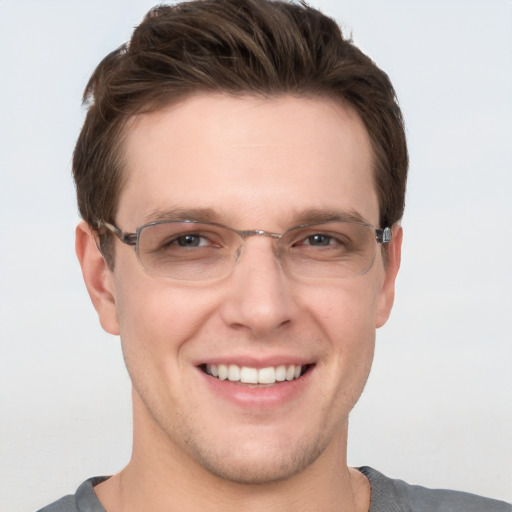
(84, 500)
(389, 495)
(65, 504)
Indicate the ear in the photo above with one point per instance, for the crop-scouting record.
(387, 292)
(99, 279)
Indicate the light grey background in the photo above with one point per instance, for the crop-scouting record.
(438, 407)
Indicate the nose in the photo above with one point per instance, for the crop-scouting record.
(259, 298)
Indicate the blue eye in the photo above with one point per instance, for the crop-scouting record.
(319, 240)
(190, 241)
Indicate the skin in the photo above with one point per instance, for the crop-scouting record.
(257, 164)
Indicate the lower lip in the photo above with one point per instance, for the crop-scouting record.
(261, 397)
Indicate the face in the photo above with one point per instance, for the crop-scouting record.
(253, 163)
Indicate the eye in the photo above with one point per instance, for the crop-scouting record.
(319, 240)
(190, 240)
(320, 244)
(181, 241)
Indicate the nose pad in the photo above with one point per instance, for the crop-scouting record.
(238, 253)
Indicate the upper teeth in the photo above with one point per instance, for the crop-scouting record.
(248, 375)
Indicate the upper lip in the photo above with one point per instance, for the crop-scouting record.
(256, 362)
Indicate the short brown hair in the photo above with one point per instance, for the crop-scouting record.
(259, 47)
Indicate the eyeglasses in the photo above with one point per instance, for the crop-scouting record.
(188, 250)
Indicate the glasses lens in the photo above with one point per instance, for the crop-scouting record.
(192, 251)
(186, 250)
(334, 249)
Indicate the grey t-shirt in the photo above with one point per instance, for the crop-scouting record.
(388, 495)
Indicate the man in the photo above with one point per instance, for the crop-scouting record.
(241, 175)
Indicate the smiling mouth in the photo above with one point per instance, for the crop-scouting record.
(248, 375)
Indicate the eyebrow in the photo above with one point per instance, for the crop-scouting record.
(195, 214)
(308, 216)
(318, 216)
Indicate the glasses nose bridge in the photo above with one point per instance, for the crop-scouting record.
(247, 233)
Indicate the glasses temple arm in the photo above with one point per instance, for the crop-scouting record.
(383, 236)
(126, 238)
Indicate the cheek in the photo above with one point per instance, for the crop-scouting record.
(158, 318)
(347, 307)
(346, 313)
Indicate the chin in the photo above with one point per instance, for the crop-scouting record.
(257, 463)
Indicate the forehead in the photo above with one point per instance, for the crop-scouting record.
(251, 160)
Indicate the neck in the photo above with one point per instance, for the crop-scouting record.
(160, 474)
